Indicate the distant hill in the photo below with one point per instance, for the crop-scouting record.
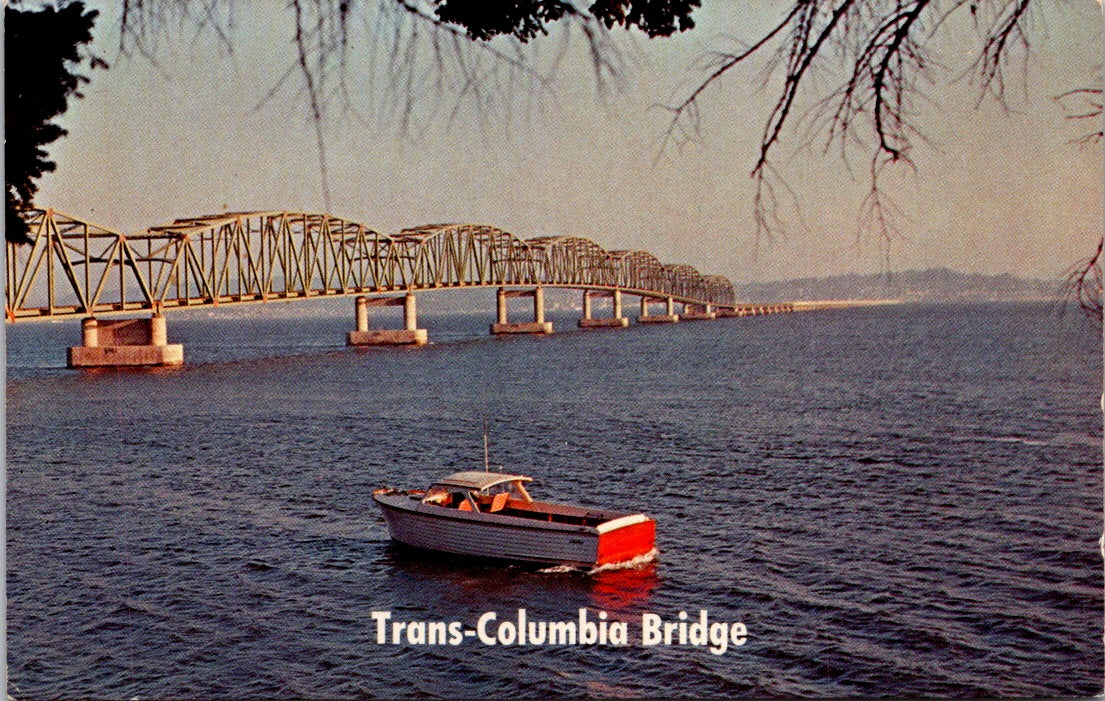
(932, 285)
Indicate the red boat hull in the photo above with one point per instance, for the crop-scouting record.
(627, 543)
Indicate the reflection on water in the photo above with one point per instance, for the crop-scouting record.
(470, 582)
(624, 589)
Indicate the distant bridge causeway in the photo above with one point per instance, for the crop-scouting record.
(75, 268)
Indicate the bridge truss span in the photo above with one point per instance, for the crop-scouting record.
(74, 267)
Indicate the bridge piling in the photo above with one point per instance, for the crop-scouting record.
(539, 305)
(409, 335)
(500, 307)
(538, 325)
(616, 321)
(90, 333)
(669, 318)
(159, 331)
(694, 312)
(410, 313)
(361, 304)
(125, 343)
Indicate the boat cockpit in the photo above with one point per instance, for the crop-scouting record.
(486, 492)
(504, 495)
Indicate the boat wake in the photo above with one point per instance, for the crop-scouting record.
(1063, 438)
(639, 562)
(561, 569)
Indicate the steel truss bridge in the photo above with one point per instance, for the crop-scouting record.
(74, 267)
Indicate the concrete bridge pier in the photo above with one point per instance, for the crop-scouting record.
(409, 335)
(538, 325)
(616, 321)
(668, 318)
(697, 312)
(124, 343)
(724, 312)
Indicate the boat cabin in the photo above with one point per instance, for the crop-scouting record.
(487, 492)
(506, 495)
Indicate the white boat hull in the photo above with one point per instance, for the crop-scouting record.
(512, 538)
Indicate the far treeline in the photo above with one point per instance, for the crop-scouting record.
(932, 285)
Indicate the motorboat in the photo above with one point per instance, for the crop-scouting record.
(492, 515)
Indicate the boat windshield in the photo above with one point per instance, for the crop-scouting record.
(443, 496)
(513, 488)
(453, 496)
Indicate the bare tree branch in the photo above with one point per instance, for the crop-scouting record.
(884, 47)
(721, 64)
(1088, 103)
(432, 69)
(1084, 284)
(1007, 26)
(313, 97)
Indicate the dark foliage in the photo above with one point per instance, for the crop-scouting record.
(526, 19)
(485, 19)
(657, 18)
(42, 52)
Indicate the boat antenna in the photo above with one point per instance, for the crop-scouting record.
(486, 457)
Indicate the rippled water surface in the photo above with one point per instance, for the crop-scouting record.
(895, 501)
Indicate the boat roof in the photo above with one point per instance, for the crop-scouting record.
(479, 480)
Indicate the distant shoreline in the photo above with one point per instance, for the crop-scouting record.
(828, 303)
(932, 285)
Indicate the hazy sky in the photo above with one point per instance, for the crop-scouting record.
(997, 191)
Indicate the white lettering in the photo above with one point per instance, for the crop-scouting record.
(697, 632)
(739, 634)
(669, 628)
(562, 633)
(481, 628)
(650, 629)
(397, 631)
(719, 638)
(436, 633)
(381, 618)
(537, 632)
(588, 631)
(619, 633)
(588, 628)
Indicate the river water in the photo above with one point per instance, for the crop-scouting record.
(901, 500)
